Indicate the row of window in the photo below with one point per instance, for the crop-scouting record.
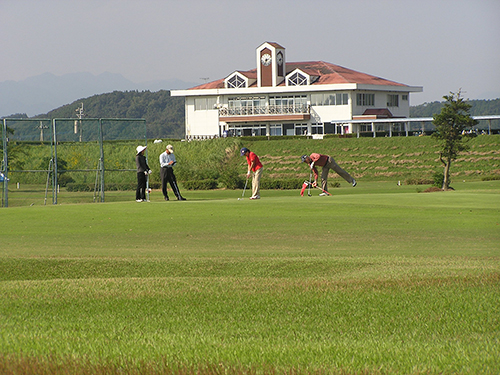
(330, 99)
(319, 99)
(301, 129)
(368, 100)
(276, 129)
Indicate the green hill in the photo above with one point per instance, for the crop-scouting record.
(163, 113)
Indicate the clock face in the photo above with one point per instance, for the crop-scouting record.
(266, 59)
(279, 59)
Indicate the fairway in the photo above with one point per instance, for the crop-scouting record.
(380, 279)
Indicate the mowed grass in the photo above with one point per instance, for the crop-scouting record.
(380, 279)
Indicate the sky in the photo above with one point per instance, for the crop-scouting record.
(442, 45)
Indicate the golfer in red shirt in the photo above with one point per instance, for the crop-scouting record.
(255, 166)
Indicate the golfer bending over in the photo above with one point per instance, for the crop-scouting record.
(327, 162)
(255, 166)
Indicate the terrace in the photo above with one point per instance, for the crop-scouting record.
(265, 113)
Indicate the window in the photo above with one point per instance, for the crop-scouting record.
(300, 129)
(342, 99)
(236, 82)
(297, 79)
(365, 100)
(317, 129)
(203, 104)
(316, 99)
(404, 97)
(393, 100)
(289, 101)
(330, 99)
(275, 129)
(246, 105)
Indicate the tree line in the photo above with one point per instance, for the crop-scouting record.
(165, 114)
(478, 108)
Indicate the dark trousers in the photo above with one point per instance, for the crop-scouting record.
(167, 176)
(140, 193)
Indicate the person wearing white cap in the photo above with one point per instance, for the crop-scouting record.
(142, 172)
(167, 162)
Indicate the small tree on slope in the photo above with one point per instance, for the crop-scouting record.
(451, 125)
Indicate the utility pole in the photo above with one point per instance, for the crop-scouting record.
(41, 127)
(78, 123)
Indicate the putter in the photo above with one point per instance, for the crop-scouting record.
(243, 194)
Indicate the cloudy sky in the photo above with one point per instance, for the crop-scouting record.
(442, 45)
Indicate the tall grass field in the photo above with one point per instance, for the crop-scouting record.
(377, 279)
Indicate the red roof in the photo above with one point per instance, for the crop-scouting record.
(327, 73)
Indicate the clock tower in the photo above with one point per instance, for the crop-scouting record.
(270, 65)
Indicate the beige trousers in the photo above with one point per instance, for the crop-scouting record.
(256, 182)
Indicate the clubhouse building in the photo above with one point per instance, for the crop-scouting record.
(294, 98)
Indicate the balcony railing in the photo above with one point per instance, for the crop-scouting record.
(265, 110)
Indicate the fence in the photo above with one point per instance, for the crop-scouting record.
(68, 151)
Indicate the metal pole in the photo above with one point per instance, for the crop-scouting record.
(54, 134)
(5, 164)
(146, 144)
(101, 159)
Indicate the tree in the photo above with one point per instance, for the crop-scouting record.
(452, 130)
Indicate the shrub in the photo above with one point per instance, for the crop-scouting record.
(63, 180)
(438, 178)
(80, 187)
(230, 179)
(418, 181)
(281, 184)
(207, 184)
(490, 178)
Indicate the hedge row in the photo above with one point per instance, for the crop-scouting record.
(207, 184)
(108, 187)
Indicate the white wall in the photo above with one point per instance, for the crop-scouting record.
(200, 123)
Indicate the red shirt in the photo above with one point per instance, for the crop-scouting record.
(319, 160)
(252, 158)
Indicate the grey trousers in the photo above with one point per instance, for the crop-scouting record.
(331, 164)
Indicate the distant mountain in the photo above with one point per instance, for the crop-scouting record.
(43, 93)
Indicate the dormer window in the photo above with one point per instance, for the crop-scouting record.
(236, 81)
(297, 78)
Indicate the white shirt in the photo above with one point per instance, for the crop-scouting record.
(167, 160)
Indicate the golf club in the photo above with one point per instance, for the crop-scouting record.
(324, 191)
(310, 178)
(243, 194)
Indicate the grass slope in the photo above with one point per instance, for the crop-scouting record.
(375, 280)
